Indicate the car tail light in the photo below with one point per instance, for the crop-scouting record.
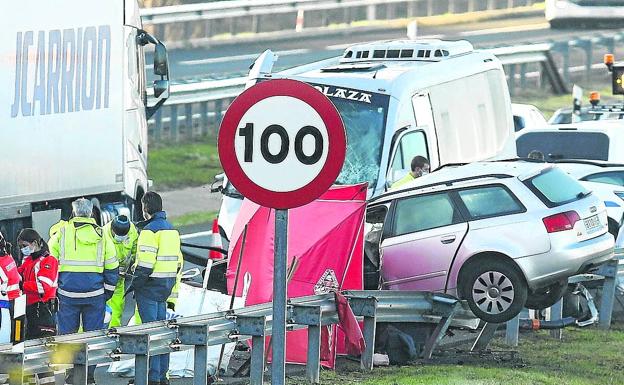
(561, 222)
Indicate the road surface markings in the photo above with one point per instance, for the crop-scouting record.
(226, 59)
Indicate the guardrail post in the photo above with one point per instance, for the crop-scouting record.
(161, 28)
(255, 24)
(75, 354)
(610, 272)
(485, 337)
(311, 316)
(188, 30)
(366, 307)
(13, 365)
(197, 335)
(440, 329)
(471, 5)
(254, 327)
(218, 114)
(174, 131)
(137, 344)
(429, 7)
(158, 123)
(512, 79)
(523, 77)
(563, 48)
(188, 117)
(371, 12)
(586, 45)
(451, 6)
(512, 331)
(556, 313)
(491, 4)
(205, 123)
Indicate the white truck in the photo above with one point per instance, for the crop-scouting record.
(73, 109)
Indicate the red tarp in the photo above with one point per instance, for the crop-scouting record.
(326, 237)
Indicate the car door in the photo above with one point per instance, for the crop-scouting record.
(418, 248)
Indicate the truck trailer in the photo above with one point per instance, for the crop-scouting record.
(74, 109)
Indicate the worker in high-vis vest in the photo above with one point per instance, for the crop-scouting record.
(122, 233)
(88, 274)
(157, 265)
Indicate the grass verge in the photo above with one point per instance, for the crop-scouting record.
(194, 218)
(183, 165)
(583, 357)
(548, 104)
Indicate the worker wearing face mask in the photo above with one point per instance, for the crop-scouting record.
(123, 235)
(419, 167)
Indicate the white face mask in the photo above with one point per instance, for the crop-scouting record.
(26, 250)
(121, 238)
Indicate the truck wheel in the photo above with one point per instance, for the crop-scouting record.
(494, 289)
(547, 296)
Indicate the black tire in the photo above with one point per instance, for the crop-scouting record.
(494, 288)
(547, 296)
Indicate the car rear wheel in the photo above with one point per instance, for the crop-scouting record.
(494, 289)
(546, 297)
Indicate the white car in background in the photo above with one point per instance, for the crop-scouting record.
(527, 116)
(606, 181)
(584, 13)
(601, 140)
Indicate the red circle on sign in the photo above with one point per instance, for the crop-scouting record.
(336, 152)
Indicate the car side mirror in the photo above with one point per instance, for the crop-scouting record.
(217, 183)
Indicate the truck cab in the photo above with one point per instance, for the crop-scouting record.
(75, 109)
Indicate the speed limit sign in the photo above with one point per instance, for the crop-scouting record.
(282, 143)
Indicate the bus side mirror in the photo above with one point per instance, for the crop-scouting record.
(161, 62)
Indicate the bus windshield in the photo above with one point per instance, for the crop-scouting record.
(364, 117)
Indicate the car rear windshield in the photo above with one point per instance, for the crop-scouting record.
(555, 188)
(565, 145)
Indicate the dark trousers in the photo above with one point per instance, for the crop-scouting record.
(91, 313)
(149, 311)
(40, 322)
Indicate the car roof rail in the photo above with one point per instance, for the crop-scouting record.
(444, 183)
(588, 162)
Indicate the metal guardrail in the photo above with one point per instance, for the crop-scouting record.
(207, 20)
(196, 109)
(198, 332)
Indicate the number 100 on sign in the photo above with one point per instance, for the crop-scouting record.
(281, 143)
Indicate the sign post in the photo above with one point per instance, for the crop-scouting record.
(282, 144)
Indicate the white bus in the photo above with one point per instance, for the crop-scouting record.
(398, 99)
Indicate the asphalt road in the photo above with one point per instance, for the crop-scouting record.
(227, 61)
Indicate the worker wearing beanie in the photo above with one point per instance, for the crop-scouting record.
(123, 235)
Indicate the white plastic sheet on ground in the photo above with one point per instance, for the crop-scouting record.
(5, 326)
(190, 303)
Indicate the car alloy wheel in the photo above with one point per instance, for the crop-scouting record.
(494, 288)
(493, 292)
